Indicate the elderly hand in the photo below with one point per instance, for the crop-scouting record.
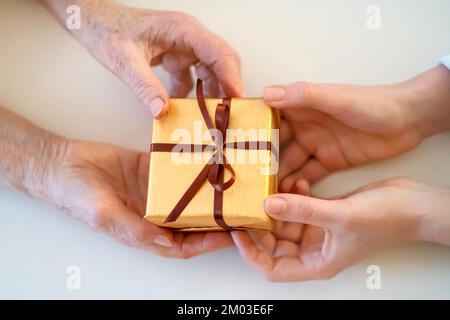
(128, 41)
(106, 187)
(330, 127)
(316, 239)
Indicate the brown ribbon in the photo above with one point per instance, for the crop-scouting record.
(214, 169)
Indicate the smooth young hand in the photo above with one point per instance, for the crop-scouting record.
(330, 127)
(316, 239)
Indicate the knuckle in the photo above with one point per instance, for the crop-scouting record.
(327, 273)
(140, 235)
(100, 220)
(401, 181)
(185, 255)
(144, 89)
(328, 156)
(188, 251)
(304, 211)
(271, 277)
(178, 15)
(181, 18)
(124, 241)
(227, 50)
(304, 88)
(204, 72)
(120, 65)
(234, 56)
(237, 56)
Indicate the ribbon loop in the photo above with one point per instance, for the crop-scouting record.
(214, 175)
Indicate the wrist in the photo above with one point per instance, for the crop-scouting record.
(29, 155)
(95, 15)
(40, 174)
(417, 211)
(427, 99)
(434, 215)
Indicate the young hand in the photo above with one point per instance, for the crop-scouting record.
(316, 239)
(330, 127)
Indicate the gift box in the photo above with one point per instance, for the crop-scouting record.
(212, 164)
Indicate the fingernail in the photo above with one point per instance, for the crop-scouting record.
(275, 205)
(235, 237)
(273, 93)
(162, 241)
(156, 107)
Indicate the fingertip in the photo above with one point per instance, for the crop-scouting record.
(217, 56)
(273, 94)
(275, 205)
(235, 236)
(146, 86)
(229, 75)
(162, 236)
(286, 184)
(238, 88)
(302, 187)
(163, 241)
(244, 244)
(286, 95)
(232, 88)
(158, 107)
(233, 84)
(168, 234)
(238, 237)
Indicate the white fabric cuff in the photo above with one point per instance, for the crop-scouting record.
(445, 61)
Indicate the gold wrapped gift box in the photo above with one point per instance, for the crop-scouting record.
(169, 179)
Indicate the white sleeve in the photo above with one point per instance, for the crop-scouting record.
(445, 61)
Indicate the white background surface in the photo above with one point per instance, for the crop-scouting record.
(48, 77)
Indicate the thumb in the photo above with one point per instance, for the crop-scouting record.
(135, 230)
(327, 98)
(146, 87)
(302, 209)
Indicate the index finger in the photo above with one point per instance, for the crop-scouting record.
(220, 57)
(277, 269)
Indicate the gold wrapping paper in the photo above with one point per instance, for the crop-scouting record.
(168, 179)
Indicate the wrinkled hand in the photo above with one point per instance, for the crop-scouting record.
(106, 187)
(128, 41)
(330, 127)
(316, 239)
